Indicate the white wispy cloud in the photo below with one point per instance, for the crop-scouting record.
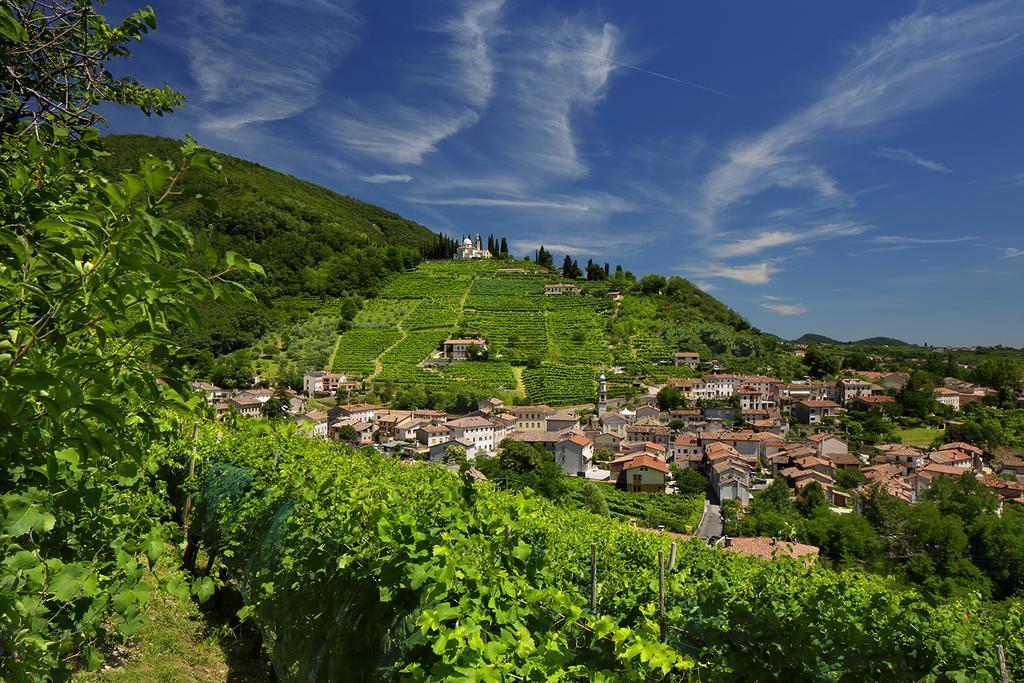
(450, 92)
(562, 73)
(598, 202)
(598, 245)
(915, 62)
(905, 155)
(786, 309)
(901, 240)
(750, 274)
(769, 239)
(386, 178)
(254, 65)
(1011, 252)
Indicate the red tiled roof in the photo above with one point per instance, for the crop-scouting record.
(644, 460)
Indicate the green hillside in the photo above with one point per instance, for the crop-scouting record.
(810, 338)
(820, 339)
(542, 348)
(313, 243)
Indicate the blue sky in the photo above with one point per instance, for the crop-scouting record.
(851, 169)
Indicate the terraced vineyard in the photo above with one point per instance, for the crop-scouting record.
(562, 342)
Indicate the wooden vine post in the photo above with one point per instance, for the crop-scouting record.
(1004, 675)
(191, 475)
(672, 557)
(191, 544)
(593, 576)
(661, 596)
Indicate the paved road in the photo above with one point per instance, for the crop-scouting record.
(711, 524)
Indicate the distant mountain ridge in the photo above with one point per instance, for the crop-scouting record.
(819, 339)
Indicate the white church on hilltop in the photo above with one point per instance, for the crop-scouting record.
(469, 250)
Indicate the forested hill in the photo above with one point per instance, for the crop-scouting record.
(312, 242)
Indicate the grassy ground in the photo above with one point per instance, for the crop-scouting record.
(920, 436)
(184, 642)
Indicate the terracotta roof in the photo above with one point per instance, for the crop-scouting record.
(943, 391)
(360, 407)
(644, 460)
(875, 399)
(810, 461)
(819, 404)
(844, 459)
(579, 440)
(516, 410)
(470, 422)
(770, 548)
(961, 445)
(945, 470)
(475, 340)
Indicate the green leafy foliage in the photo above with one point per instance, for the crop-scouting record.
(92, 300)
(460, 577)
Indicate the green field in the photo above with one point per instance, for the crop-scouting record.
(920, 437)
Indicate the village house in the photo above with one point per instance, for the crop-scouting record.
(490, 405)
(953, 457)
(562, 288)
(650, 413)
(614, 296)
(614, 423)
(431, 435)
(686, 450)
(437, 452)
(923, 478)
(470, 250)
(574, 454)
(648, 431)
(907, 457)
(1006, 489)
(387, 421)
(316, 382)
(805, 391)
(561, 420)
(828, 444)
(849, 389)
(730, 480)
(459, 349)
(1012, 465)
(813, 412)
(365, 430)
(314, 421)
(690, 359)
(865, 403)
(745, 442)
(213, 393)
(606, 441)
(894, 380)
(245, 405)
(530, 418)
(640, 472)
(948, 397)
(357, 411)
(476, 430)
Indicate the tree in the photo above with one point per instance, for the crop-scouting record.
(595, 271)
(277, 406)
(669, 398)
(811, 500)
(94, 304)
(964, 497)
(544, 259)
(652, 284)
(593, 499)
(570, 269)
(821, 363)
(688, 480)
(454, 455)
(998, 543)
(348, 434)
